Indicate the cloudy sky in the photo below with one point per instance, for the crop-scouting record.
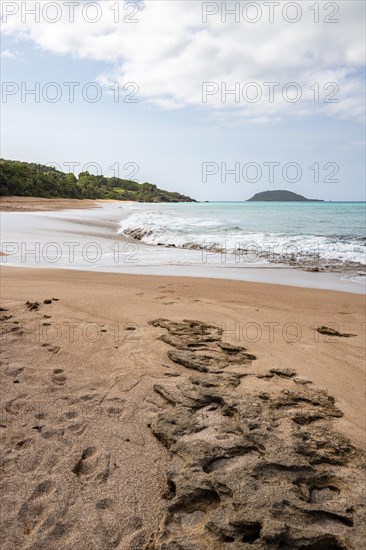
(217, 100)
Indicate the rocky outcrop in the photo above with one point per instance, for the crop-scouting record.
(257, 468)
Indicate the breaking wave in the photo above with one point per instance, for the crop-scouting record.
(166, 228)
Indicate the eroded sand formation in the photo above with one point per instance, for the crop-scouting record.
(260, 469)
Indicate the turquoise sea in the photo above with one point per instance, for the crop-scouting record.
(329, 232)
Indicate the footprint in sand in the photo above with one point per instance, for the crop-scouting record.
(58, 377)
(13, 372)
(94, 463)
(71, 414)
(42, 489)
(51, 349)
(26, 460)
(5, 317)
(84, 465)
(32, 306)
(78, 428)
(17, 405)
(29, 515)
(32, 510)
(104, 504)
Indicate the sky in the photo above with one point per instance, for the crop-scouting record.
(216, 100)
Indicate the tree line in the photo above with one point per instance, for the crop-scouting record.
(36, 180)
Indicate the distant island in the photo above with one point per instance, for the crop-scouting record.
(25, 179)
(280, 196)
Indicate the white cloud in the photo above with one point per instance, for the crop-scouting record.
(8, 54)
(171, 52)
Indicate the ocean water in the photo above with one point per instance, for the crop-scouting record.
(330, 233)
(269, 243)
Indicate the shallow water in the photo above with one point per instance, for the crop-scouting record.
(327, 232)
(91, 240)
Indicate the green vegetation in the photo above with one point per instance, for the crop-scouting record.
(35, 180)
(280, 196)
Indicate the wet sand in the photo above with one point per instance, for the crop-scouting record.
(89, 239)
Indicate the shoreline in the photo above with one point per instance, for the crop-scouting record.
(117, 253)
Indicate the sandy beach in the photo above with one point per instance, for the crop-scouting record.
(124, 426)
(183, 351)
(37, 204)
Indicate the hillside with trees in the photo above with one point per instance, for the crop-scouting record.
(36, 180)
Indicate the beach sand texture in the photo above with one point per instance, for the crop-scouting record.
(37, 204)
(125, 426)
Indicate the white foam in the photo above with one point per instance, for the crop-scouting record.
(161, 228)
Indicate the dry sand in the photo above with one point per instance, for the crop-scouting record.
(37, 204)
(81, 468)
